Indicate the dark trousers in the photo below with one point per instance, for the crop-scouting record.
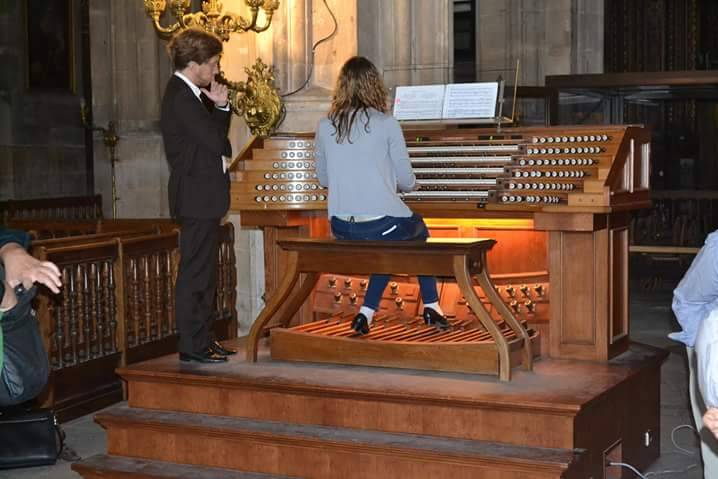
(388, 228)
(196, 283)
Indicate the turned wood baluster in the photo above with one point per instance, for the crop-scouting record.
(135, 301)
(100, 308)
(147, 307)
(86, 319)
(157, 294)
(164, 299)
(130, 274)
(93, 320)
(75, 308)
(112, 317)
(60, 320)
(104, 288)
(170, 294)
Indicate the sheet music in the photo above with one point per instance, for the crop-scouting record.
(470, 100)
(421, 102)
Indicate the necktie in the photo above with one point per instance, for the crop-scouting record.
(208, 104)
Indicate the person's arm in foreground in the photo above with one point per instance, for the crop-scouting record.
(23, 268)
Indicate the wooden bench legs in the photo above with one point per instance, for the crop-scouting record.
(488, 287)
(292, 299)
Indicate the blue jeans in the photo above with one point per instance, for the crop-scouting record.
(388, 228)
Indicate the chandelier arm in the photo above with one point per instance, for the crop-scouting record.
(253, 23)
(168, 30)
(266, 26)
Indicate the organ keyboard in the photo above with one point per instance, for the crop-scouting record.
(517, 168)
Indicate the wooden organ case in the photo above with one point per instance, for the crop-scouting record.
(557, 200)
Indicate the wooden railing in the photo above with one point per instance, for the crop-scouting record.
(116, 308)
(149, 272)
(41, 229)
(66, 208)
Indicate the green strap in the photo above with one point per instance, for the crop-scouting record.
(2, 354)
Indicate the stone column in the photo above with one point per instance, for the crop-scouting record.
(409, 40)
(548, 38)
(129, 72)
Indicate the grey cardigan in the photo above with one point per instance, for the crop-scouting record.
(363, 176)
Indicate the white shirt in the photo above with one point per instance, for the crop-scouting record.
(697, 293)
(707, 358)
(197, 92)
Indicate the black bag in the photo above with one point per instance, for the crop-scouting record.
(25, 365)
(29, 438)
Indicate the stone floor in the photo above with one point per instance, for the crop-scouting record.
(651, 320)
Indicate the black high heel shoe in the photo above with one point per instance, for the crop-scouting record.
(360, 324)
(432, 317)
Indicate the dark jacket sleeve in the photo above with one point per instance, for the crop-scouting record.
(11, 236)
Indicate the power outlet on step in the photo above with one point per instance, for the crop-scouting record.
(648, 438)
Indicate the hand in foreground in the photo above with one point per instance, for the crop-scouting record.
(218, 93)
(9, 300)
(710, 419)
(21, 267)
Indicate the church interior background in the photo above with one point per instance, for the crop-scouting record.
(77, 70)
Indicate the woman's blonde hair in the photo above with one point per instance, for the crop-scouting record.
(359, 87)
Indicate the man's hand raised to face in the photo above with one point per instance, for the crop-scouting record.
(218, 93)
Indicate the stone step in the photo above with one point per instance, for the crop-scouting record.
(322, 452)
(102, 466)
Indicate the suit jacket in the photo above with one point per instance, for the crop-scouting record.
(195, 140)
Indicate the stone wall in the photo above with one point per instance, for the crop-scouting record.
(129, 71)
(548, 38)
(42, 143)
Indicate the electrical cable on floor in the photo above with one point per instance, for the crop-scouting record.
(673, 439)
(311, 63)
(627, 466)
(660, 473)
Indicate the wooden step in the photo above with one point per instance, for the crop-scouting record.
(322, 452)
(102, 466)
(553, 406)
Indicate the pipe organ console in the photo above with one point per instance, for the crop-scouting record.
(556, 199)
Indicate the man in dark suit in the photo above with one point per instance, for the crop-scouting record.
(195, 121)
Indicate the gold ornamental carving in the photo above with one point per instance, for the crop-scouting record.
(256, 100)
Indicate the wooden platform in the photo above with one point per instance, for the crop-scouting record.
(327, 421)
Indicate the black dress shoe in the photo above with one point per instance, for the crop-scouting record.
(360, 324)
(206, 356)
(220, 349)
(432, 317)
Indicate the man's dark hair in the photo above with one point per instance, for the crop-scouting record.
(193, 45)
